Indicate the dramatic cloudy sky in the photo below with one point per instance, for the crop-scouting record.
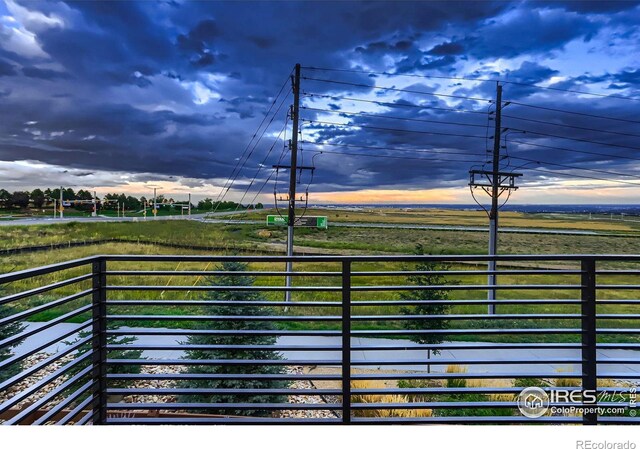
(124, 96)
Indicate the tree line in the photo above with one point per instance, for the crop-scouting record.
(39, 198)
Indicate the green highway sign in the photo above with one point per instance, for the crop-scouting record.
(276, 220)
(305, 222)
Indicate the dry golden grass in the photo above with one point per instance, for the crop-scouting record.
(456, 382)
(566, 383)
(461, 217)
(384, 398)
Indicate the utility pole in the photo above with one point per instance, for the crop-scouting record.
(155, 206)
(493, 214)
(61, 201)
(95, 205)
(189, 203)
(292, 173)
(494, 183)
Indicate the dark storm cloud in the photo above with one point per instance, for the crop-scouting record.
(528, 31)
(590, 6)
(447, 48)
(45, 74)
(6, 68)
(180, 88)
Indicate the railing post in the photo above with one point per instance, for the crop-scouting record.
(346, 342)
(99, 341)
(588, 333)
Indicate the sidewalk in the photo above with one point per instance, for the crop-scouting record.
(358, 355)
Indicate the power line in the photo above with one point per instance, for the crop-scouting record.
(218, 199)
(262, 164)
(564, 111)
(465, 78)
(417, 150)
(264, 184)
(595, 170)
(543, 122)
(573, 175)
(399, 157)
(395, 129)
(594, 153)
(396, 89)
(403, 105)
(393, 117)
(234, 178)
(575, 139)
(539, 162)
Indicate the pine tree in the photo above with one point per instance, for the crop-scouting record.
(245, 310)
(8, 331)
(423, 303)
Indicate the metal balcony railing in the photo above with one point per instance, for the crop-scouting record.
(366, 339)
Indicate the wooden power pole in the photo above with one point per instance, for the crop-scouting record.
(494, 183)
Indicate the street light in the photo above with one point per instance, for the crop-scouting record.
(155, 203)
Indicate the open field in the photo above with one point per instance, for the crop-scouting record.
(187, 232)
(229, 239)
(336, 239)
(463, 218)
(17, 262)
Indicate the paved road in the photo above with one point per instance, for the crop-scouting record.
(103, 219)
(358, 355)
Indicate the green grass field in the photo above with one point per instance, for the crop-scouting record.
(22, 261)
(335, 239)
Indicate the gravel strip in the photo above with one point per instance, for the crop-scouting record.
(36, 377)
(305, 399)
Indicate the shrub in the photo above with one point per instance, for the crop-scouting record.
(475, 397)
(529, 382)
(454, 382)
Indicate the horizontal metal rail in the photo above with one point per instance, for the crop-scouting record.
(221, 406)
(47, 269)
(355, 342)
(48, 324)
(42, 383)
(75, 412)
(41, 346)
(66, 402)
(226, 421)
(43, 364)
(207, 303)
(49, 396)
(222, 391)
(190, 376)
(50, 305)
(44, 289)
